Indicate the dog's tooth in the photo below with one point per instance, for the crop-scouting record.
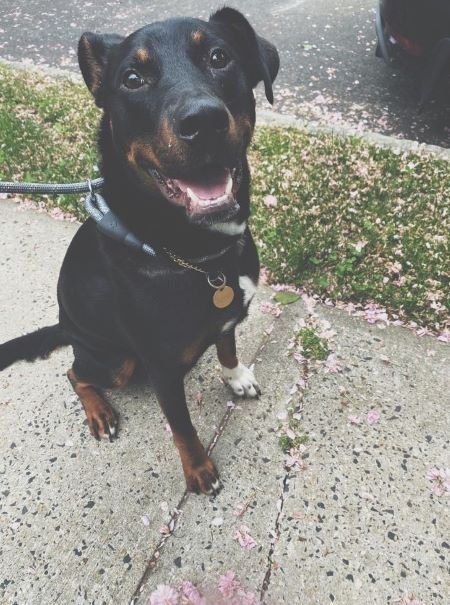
(229, 186)
(193, 196)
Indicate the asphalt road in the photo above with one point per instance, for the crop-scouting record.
(329, 71)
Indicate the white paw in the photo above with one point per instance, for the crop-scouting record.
(242, 381)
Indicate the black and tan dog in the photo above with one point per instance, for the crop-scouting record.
(178, 116)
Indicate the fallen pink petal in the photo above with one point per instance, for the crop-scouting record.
(270, 309)
(228, 585)
(246, 598)
(164, 530)
(373, 416)
(440, 481)
(374, 314)
(411, 600)
(240, 509)
(294, 460)
(444, 336)
(164, 595)
(356, 420)
(332, 364)
(270, 201)
(190, 595)
(242, 535)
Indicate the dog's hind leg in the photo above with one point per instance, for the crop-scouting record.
(199, 470)
(88, 377)
(240, 378)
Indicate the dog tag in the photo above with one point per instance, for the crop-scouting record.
(223, 297)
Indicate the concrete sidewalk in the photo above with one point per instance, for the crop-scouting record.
(355, 522)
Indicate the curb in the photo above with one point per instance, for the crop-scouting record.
(268, 117)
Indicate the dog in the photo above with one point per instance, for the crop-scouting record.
(178, 114)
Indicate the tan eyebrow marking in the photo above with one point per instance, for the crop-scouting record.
(142, 55)
(197, 37)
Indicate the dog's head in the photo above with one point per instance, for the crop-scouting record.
(177, 98)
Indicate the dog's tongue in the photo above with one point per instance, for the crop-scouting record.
(212, 187)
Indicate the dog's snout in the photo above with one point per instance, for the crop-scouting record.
(204, 119)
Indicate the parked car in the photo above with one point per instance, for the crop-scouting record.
(421, 29)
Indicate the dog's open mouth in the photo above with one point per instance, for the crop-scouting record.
(212, 194)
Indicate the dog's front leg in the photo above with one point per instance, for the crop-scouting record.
(240, 378)
(199, 470)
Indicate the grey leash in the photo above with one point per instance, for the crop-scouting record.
(109, 224)
(96, 206)
(50, 188)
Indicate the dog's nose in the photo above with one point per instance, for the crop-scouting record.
(203, 119)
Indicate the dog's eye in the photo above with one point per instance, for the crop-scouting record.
(132, 80)
(219, 59)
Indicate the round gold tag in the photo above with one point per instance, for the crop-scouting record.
(224, 297)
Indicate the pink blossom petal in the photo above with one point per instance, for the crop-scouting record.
(270, 201)
(228, 585)
(294, 460)
(242, 535)
(240, 509)
(164, 595)
(444, 336)
(440, 481)
(355, 420)
(299, 358)
(411, 600)
(270, 309)
(373, 416)
(190, 595)
(246, 598)
(332, 364)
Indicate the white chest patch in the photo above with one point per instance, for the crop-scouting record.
(248, 287)
(228, 326)
(231, 228)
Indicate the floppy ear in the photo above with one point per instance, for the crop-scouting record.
(260, 55)
(94, 51)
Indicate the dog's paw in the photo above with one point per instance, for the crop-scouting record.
(102, 420)
(203, 479)
(242, 381)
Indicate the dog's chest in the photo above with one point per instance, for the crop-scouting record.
(180, 305)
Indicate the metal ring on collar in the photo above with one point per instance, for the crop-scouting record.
(213, 282)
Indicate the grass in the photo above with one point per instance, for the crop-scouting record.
(354, 222)
(346, 220)
(298, 436)
(47, 131)
(313, 347)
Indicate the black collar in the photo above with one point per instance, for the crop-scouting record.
(110, 225)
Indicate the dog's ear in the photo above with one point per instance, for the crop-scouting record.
(260, 56)
(94, 51)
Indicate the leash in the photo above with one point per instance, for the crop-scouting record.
(96, 206)
(51, 188)
(110, 224)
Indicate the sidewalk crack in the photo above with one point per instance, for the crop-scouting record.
(276, 535)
